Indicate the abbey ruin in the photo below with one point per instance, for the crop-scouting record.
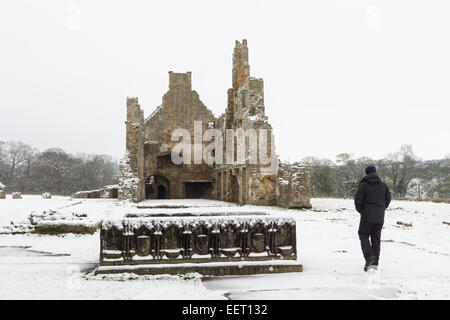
(147, 169)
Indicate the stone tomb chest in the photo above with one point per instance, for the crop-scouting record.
(207, 244)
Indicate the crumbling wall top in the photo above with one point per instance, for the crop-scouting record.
(134, 112)
(241, 67)
(180, 80)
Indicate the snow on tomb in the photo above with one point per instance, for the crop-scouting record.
(204, 243)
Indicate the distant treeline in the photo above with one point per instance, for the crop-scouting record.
(25, 169)
(404, 173)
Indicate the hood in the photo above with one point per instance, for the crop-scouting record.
(371, 178)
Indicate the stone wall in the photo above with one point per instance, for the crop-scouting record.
(131, 181)
(91, 194)
(16, 195)
(293, 188)
(242, 181)
(149, 145)
(2, 191)
(106, 192)
(128, 180)
(241, 67)
(180, 107)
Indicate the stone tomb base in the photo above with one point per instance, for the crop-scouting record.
(207, 269)
(209, 245)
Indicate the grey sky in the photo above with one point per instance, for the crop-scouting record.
(333, 70)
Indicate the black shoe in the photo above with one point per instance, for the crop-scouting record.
(369, 262)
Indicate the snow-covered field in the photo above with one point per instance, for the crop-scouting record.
(415, 260)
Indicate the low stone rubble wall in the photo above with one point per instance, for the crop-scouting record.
(107, 192)
(17, 195)
(46, 195)
(92, 194)
(53, 222)
(59, 227)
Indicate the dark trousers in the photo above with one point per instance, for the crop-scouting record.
(373, 231)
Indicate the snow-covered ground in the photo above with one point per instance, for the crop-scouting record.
(415, 260)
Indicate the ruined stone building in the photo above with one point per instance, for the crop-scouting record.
(148, 172)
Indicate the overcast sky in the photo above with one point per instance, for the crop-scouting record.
(361, 77)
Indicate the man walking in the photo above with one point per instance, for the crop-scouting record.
(371, 200)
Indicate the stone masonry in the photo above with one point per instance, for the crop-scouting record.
(147, 171)
(2, 191)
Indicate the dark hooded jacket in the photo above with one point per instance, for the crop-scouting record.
(372, 198)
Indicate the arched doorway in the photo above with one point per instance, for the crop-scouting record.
(157, 187)
(161, 192)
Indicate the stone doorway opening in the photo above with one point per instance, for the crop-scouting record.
(161, 192)
(157, 187)
(114, 193)
(198, 189)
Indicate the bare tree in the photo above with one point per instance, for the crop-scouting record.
(3, 167)
(323, 180)
(15, 154)
(401, 168)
